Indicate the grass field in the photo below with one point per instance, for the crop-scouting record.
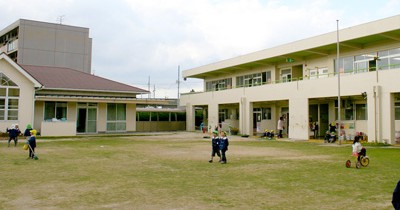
(171, 171)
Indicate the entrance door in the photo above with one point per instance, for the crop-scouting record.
(87, 120)
(257, 119)
(81, 122)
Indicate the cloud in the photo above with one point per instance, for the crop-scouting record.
(135, 39)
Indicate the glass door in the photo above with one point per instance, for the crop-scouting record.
(87, 118)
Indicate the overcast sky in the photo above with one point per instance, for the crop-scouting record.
(137, 39)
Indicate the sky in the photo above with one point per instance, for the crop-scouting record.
(137, 41)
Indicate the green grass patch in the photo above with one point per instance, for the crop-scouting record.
(144, 172)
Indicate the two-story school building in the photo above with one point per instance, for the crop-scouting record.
(303, 82)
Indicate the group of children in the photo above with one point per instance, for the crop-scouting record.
(29, 134)
(270, 134)
(219, 146)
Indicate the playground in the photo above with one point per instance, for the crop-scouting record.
(171, 171)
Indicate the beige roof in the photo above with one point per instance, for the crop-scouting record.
(69, 79)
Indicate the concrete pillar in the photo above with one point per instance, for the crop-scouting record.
(245, 116)
(298, 123)
(387, 127)
(374, 114)
(130, 117)
(190, 117)
(212, 115)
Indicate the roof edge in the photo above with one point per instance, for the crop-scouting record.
(35, 82)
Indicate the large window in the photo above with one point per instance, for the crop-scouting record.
(365, 62)
(345, 65)
(266, 114)
(389, 59)
(222, 114)
(397, 111)
(9, 99)
(116, 117)
(361, 112)
(253, 79)
(286, 75)
(219, 84)
(55, 110)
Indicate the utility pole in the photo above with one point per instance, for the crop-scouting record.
(178, 81)
(154, 91)
(148, 88)
(338, 72)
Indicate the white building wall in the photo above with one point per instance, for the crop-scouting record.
(26, 97)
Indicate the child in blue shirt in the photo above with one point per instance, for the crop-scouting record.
(215, 146)
(223, 146)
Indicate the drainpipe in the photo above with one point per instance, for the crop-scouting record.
(34, 103)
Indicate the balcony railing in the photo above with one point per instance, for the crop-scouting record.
(296, 79)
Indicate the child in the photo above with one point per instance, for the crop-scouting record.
(13, 133)
(223, 146)
(32, 144)
(357, 148)
(215, 146)
(271, 134)
(27, 132)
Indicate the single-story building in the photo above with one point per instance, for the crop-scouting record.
(60, 101)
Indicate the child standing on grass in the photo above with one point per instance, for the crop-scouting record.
(13, 133)
(27, 132)
(215, 146)
(32, 144)
(223, 146)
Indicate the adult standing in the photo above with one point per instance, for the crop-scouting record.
(280, 127)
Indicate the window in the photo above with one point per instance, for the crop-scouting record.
(11, 46)
(266, 114)
(348, 110)
(223, 113)
(219, 85)
(253, 79)
(55, 110)
(361, 112)
(116, 117)
(345, 65)
(397, 111)
(286, 75)
(9, 98)
(319, 73)
(389, 59)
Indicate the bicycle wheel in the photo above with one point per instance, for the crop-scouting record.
(348, 164)
(364, 161)
(358, 164)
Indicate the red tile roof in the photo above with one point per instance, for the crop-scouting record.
(65, 78)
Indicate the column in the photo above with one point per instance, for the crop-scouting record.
(298, 118)
(190, 117)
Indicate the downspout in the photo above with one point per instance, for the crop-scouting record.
(34, 104)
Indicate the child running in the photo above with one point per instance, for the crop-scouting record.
(223, 146)
(215, 146)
